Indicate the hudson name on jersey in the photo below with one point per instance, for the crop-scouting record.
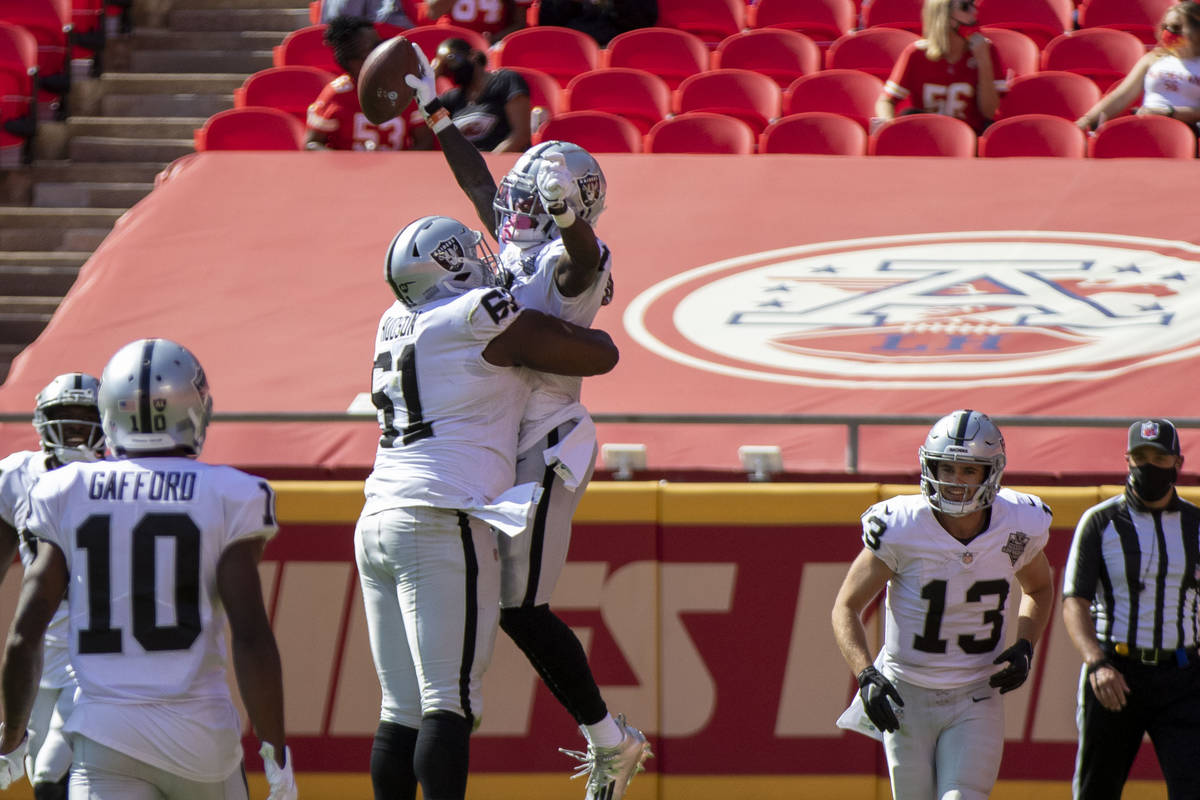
(946, 604)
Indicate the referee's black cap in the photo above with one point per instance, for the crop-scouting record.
(1158, 433)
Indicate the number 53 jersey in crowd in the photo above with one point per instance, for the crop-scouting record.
(946, 603)
(142, 539)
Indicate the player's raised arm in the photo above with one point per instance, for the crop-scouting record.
(549, 344)
(466, 162)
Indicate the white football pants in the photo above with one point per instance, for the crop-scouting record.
(101, 773)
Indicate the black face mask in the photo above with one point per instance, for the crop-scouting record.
(462, 72)
(1152, 483)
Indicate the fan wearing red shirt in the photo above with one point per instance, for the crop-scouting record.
(951, 71)
(335, 119)
(495, 19)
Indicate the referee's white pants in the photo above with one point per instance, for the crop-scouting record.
(101, 773)
(949, 744)
(430, 580)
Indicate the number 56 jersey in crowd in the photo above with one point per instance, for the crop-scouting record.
(142, 539)
(946, 603)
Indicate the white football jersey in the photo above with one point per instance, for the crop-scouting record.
(555, 398)
(18, 473)
(946, 603)
(448, 418)
(142, 538)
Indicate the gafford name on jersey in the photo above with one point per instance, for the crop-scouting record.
(169, 486)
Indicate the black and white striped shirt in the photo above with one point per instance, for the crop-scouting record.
(1140, 569)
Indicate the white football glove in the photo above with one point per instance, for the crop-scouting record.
(281, 779)
(555, 185)
(424, 84)
(12, 764)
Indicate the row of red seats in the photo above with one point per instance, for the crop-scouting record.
(822, 133)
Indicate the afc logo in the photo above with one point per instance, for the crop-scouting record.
(966, 309)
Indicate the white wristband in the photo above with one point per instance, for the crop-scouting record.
(565, 219)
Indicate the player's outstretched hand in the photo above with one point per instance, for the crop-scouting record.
(1020, 659)
(554, 184)
(875, 689)
(12, 763)
(281, 779)
(424, 84)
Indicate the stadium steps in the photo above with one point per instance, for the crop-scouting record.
(178, 66)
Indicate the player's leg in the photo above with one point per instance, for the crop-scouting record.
(451, 604)
(39, 726)
(101, 773)
(910, 749)
(379, 540)
(1108, 742)
(1173, 726)
(53, 760)
(970, 747)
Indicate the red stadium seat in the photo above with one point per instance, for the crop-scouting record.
(815, 133)
(544, 91)
(753, 98)
(871, 50)
(701, 132)
(256, 128)
(841, 91)
(87, 27)
(1102, 54)
(594, 131)
(50, 23)
(669, 53)
(1139, 17)
(561, 53)
(1060, 94)
(781, 55)
(1033, 135)
(903, 14)
(710, 20)
(634, 94)
(428, 37)
(1147, 136)
(1040, 20)
(290, 89)
(923, 135)
(18, 107)
(1017, 53)
(821, 20)
(306, 48)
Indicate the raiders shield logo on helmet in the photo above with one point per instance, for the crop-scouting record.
(589, 189)
(449, 254)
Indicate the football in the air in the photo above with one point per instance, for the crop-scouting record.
(382, 92)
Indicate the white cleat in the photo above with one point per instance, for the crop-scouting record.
(610, 770)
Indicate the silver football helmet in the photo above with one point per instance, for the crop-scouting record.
(438, 257)
(962, 436)
(154, 397)
(67, 418)
(520, 217)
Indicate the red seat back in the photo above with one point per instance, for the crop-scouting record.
(1148, 136)
(306, 47)
(544, 91)
(710, 20)
(634, 94)
(903, 14)
(561, 53)
(923, 135)
(780, 54)
(821, 20)
(1139, 17)
(428, 37)
(669, 53)
(1060, 94)
(749, 96)
(701, 132)
(816, 133)
(1016, 53)
(841, 91)
(1033, 135)
(1040, 20)
(1105, 55)
(290, 89)
(594, 131)
(871, 50)
(257, 128)
(50, 23)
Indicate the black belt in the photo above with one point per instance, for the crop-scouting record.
(1154, 656)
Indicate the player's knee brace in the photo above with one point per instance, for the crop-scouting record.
(443, 755)
(559, 659)
(392, 754)
(44, 790)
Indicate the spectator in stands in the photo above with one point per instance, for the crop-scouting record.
(950, 71)
(490, 108)
(494, 19)
(389, 11)
(336, 120)
(600, 19)
(1167, 78)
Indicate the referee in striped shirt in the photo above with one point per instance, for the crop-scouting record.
(1130, 607)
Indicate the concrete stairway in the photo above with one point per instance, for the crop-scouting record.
(178, 67)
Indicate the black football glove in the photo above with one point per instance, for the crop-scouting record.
(1020, 659)
(875, 689)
